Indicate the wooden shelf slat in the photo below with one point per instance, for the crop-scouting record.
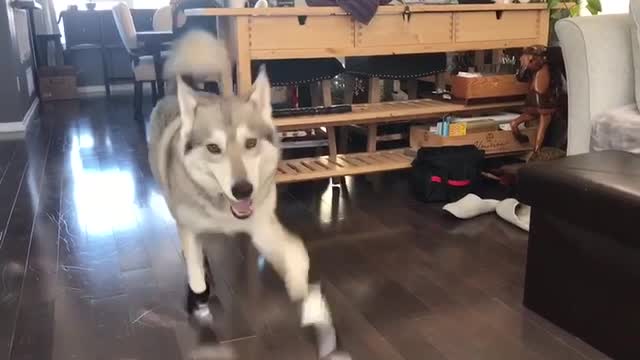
(313, 165)
(385, 112)
(284, 168)
(349, 164)
(325, 163)
(291, 171)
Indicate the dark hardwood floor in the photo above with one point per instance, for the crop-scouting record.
(90, 265)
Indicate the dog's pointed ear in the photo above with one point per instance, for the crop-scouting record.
(187, 101)
(261, 94)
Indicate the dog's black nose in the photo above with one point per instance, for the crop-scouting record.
(242, 190)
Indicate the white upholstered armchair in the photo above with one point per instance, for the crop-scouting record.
(598, 57)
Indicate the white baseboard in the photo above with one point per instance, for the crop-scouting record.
(98, 90)
(116, 89)
(21, 126)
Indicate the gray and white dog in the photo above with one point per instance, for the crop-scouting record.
(215, 158)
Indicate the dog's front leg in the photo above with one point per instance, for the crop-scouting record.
(198, 292)
(286, 252)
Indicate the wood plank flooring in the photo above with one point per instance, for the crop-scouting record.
(90, 265)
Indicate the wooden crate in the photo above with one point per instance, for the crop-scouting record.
(485, 87)
(57, 83)
(492, 142)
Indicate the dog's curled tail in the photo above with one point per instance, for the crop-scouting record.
(201, 56)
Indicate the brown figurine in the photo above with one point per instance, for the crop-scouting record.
(541, 101)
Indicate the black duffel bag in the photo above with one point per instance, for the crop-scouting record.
(446, 173)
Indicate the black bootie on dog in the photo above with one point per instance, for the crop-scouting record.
(198, 306)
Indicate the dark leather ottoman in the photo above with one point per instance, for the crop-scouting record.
(583, 261)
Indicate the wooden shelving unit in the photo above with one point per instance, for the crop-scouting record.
(317, 32)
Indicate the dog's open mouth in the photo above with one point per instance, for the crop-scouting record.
(242, 209)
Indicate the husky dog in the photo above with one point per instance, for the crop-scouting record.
(215, 159)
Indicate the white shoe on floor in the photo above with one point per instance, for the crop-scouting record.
(471, 206)
(515, 212)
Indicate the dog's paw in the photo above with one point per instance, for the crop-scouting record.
(315, 310)
(338, 355)
(194, 300)
(203, 316)
(198, 307)
(213, 352)
(316, 313)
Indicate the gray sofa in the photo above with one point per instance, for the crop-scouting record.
(598, 54)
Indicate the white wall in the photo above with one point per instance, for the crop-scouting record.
(615, 6)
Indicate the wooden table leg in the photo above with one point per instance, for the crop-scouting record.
(349, 90)
(105, 71)
(374, 97)
(372, 138)
(496, 56)
(157, 63)
(333, 152)
(154, 92)
(412, 89)
(225, 86)
(243, 56)
(327, 100)
(441, 82)
(479, 59)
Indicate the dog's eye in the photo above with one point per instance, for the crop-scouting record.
(251, 143)
(214, 149)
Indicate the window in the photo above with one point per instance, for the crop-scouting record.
(149, 4)
(608, 7)
(61, 5)
(615, 6)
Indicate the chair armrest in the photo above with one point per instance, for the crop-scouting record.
(598, 57)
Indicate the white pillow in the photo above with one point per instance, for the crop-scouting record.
(634, 10)
(617, 129)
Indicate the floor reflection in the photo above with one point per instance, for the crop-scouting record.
(105, 193)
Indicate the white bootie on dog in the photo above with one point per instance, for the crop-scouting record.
(515, 212)
(315, 312)
(471, 206)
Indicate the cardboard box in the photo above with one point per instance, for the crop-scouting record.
(492, 142)
(487, 86)
(57, 83)
(481, 126)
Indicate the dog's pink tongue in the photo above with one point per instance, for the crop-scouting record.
(242, 206)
